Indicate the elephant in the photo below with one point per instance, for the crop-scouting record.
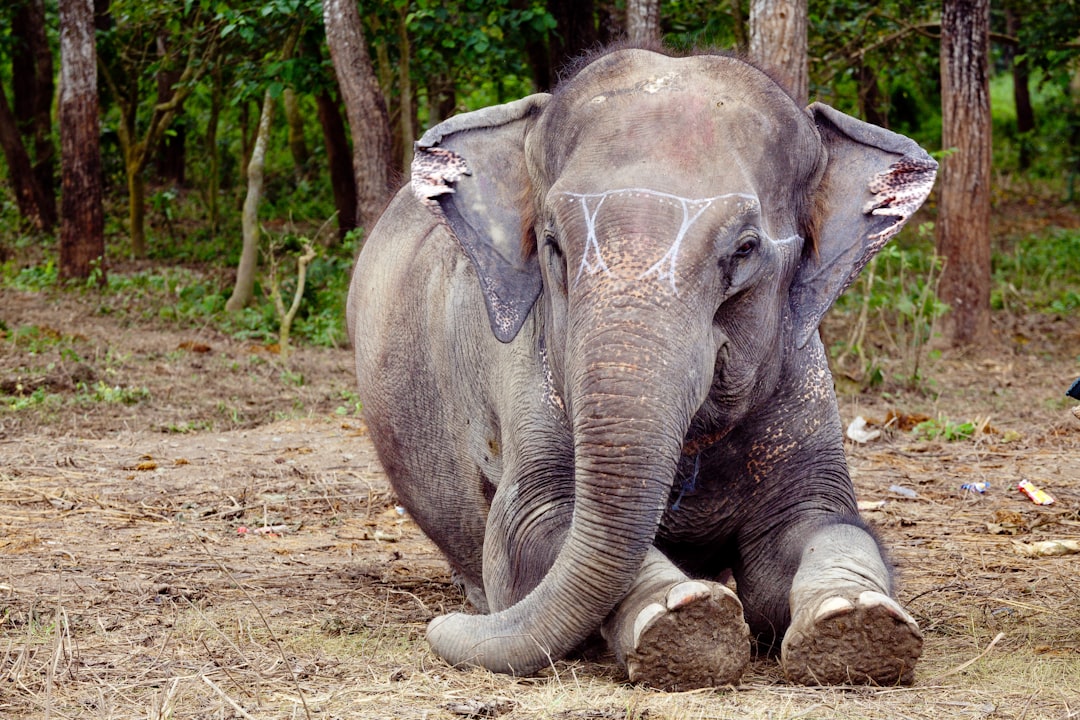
(586, 343)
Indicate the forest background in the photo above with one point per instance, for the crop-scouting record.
(236, 174)
(192, 520)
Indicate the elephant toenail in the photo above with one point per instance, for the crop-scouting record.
(833, 607)
(644, 618)
(685, 593)
(869, 598)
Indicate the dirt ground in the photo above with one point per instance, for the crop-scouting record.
(193, 527)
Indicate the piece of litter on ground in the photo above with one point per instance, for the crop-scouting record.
(271, 529)
(866, 505)
(903, 491)
(860, 433)
(264, 530)
(1046, 548)
(1036, 494)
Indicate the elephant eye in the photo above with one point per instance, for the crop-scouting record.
(747, 246)
(552, 243)
(556, 262)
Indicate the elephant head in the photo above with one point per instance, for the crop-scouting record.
(675, 228)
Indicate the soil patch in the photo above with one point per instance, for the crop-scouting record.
(193, 527)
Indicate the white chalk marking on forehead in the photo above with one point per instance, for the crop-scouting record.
(592, 244)
(592, 260)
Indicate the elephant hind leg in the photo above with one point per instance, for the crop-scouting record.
(674, 633)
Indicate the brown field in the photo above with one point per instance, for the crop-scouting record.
(129, 589)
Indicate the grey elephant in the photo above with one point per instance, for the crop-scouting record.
(586, 345)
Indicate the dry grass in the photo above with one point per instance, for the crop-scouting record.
(127, 592)
(130, 594)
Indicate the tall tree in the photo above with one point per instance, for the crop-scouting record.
(171, 153)
(575, 31)
(364, 107)
(294, 119)
(338, 162)
(1025, 115)
(32, 80)
(778, 43)
(82, 227)
(643, 20)
(29, 197)
(963, 226)
(137, 45)
(244, 289)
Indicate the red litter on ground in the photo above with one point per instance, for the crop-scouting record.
(1037, 495)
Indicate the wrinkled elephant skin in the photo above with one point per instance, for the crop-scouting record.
(587, 350)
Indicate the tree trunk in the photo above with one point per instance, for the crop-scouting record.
(442, 97)
(870, 100)
(170, 160)
(136, 185)
(337, 157)
(294, 119)
(137, 152)
(963, 226)
(1025, 115)
(364, 106)
(249, 220)
(82, 228)
(575, 32)
(28, 194)
(385, 71)
(405, 87)
(738, 22)
(170, 153)
(643, 21)
(778, 43)
(213, 153)
(32, 80)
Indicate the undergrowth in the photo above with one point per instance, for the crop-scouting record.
(888, 317)
(193, 293)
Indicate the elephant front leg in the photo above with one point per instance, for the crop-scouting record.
(845, 628)
(674, 633)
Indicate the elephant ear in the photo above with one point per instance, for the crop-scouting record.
(470, 170)
(873, 182)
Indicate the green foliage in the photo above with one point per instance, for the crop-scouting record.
(351, 404)
(874, 59)
(183, 428)
(102, 392)
(35, 339)
(944, 429)
(31, 278)
(1041, 273)
(191, 296)
(895, 308)
(40, 397)
(1054, 146)
(692, 24)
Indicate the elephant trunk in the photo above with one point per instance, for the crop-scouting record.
(629, 415)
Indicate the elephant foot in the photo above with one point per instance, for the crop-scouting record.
(696, 637)
(869, 641)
